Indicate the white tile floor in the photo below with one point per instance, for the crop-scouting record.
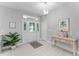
(28, 50)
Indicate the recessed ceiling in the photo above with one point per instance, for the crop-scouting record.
(34, 8)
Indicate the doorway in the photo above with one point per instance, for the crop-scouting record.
(30, 30)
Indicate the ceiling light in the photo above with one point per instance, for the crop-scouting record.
(25, 16)
(45, 8)
(45, 11)
(36, 19)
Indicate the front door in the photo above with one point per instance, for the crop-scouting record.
(30, 31)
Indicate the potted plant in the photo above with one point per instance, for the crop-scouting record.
(11, 40)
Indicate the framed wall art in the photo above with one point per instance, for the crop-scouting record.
(64, 25)
(12, 25)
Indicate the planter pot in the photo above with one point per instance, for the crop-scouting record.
(13, 47)
(5, 48)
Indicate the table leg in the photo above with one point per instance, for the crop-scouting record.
(74, 48)
(53, 42)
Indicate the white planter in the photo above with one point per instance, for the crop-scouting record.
(5, 48)
(13, 47)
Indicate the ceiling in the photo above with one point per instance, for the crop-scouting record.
(34, 8)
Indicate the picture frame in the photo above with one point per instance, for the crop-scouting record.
(12, 25)
(64, 25)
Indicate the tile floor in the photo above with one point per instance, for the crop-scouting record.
(28, 50)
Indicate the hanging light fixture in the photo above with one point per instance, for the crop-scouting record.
(45, 12)
(45, 8)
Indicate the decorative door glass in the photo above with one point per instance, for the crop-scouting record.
(37, 27)
(31, 27)
(24, 25)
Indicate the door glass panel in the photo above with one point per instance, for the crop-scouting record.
(31, 27)
(37, 27)
(24, 25)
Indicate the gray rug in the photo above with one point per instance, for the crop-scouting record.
(35, 44)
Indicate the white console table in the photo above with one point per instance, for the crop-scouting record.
(71, 41)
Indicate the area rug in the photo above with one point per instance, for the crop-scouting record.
(35, 44)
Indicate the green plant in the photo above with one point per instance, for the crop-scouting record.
(11, 39)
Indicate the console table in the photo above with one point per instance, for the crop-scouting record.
(71, 41)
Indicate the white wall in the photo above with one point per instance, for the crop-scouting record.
(10, 15)
(68, 10)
